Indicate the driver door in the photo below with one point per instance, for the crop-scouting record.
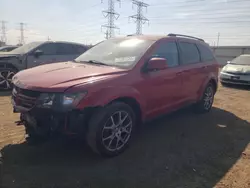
(49, 55)
(163, 91)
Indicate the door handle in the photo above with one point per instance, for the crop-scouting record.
(178, 73)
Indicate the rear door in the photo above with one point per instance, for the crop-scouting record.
(190, 70)
(68, 51)
(209, 64)
(163, 87)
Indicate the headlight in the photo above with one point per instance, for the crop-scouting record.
(72, 99)
(224, 68)
(60, 100)
(46, 100)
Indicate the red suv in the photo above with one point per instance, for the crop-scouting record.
(109, 90)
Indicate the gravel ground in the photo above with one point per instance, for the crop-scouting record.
(179, 150)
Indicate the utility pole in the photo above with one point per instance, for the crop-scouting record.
(22, 33)
(112, 16)
(139, 18)
(3, 32)
(218, 39)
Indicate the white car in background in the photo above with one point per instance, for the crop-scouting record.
(236, 71)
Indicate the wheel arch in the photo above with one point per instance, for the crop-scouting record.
(214, 83)
(134, 104)
(9, 66)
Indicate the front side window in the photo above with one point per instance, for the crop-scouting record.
(189, 52)
(167, 50)
(206, 53)
(119, 52)
(48, 49)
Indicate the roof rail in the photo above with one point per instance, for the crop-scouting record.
(187, 36)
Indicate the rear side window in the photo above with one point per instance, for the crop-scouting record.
(206, 53)
(65, 49)
(167, 50)
(79, 49)
(189, 52)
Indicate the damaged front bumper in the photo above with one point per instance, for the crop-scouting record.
(49, 121)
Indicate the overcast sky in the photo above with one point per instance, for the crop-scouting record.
(81, 20)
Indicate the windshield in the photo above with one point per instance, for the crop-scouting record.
(241, 60)
(26, 48)
(122, 53)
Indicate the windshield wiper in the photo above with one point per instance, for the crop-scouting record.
(96, 62)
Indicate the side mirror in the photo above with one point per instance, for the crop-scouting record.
(228, 62)
(38, 53)
(156, 63)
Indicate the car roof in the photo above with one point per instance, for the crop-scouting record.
(65, 42)
(159, 37)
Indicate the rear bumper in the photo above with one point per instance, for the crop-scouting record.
(234, 79)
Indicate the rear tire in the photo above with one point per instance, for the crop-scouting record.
(110, 129)
(206, 102)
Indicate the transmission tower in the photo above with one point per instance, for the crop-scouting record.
(22, 33)
(3, 32)
(112, 16)
(139, 18)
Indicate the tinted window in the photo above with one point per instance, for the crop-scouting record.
(80, 49)
(206, 53)
(190, 53)
(48, 49)
(65, 49)
(167, 50)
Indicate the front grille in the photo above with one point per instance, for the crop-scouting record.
(235, 81)
(25, 98)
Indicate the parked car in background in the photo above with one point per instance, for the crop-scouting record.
(236, 71)
(34, 54)
(109, 90)
(7, 48)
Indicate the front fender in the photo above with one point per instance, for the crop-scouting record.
(106, 95)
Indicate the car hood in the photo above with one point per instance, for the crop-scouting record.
(8, 54)
(241, 69)
(60, 76)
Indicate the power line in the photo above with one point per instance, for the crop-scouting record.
(111, 15)
(139, 17)
(194, 3)
(3, 32)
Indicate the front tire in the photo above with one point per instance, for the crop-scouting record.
(110, 129)
(6, 76)
(206, 102)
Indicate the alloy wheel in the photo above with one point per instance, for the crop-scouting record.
(117, 131)
(6, 79)
(208, 97)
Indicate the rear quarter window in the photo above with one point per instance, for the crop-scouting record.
(206, 53)
(80, 49)
(189, 53)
